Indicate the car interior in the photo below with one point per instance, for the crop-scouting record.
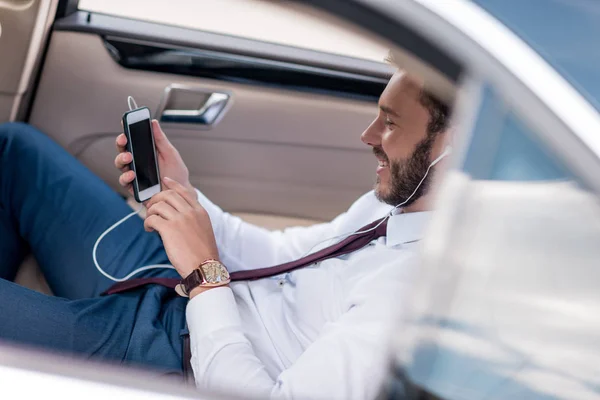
(269, 131)
(266, 101)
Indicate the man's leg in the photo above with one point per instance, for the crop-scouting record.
(52, 203)
(56, 205)
(126, 328)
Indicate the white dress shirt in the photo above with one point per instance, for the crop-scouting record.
(321, 332)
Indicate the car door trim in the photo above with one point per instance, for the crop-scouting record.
(108, 25)
(151, 56)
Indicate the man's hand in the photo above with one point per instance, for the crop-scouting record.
(170, 162)
(183, 225)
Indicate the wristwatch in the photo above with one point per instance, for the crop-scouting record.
(211, 273)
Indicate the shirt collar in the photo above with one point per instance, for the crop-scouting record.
(405, 228)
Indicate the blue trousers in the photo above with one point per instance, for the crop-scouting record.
(54, 207)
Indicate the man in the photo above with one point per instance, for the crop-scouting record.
(317, 332)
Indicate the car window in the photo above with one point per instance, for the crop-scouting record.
(508, 308)
(252, 19)
(520, 157)
(564, 32)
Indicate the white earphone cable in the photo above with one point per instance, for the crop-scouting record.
(135, 272)
(131, 103)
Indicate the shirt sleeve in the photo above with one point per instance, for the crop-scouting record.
(348, 360)
(245, 246)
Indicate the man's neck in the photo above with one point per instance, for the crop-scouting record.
(422, 204)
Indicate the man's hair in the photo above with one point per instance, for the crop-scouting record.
(439, 112)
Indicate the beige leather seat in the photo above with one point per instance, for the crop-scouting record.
(31, 276)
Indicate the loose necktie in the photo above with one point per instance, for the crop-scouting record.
(351, 243)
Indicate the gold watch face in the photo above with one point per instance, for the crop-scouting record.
(215, 273)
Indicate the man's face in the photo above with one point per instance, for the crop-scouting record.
(400, 142)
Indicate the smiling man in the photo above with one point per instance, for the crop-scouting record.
(405, 156)
(313, 326)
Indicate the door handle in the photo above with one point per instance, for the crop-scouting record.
(206, 115)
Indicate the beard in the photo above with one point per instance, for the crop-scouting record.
(405, 175)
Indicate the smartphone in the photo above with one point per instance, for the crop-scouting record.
(140, 143)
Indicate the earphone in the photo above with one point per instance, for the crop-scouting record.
(447, 151)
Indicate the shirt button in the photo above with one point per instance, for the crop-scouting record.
(281, 282)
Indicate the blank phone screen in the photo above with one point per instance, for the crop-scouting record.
(143, 154)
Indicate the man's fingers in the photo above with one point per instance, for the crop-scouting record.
(162, 209)
(123, 160)
(160, 139)
(121, 143)
(122, 163)
(154, 223)
(181, 190)
(126, 178)
(171, 197)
